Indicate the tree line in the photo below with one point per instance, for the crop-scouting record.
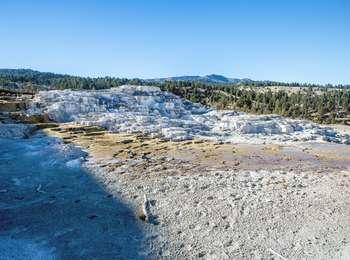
(323, 104)
(319, 104)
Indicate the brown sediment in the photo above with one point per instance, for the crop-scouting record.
(103, 144)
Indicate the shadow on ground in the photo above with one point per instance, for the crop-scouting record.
(52, 209)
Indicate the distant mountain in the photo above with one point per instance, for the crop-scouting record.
(212, 78)
(24, 78)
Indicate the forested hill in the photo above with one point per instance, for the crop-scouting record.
(36, 79)
(323, 104)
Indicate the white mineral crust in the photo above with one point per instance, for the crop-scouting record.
(149, 110)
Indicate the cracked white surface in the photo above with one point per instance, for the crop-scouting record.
(157, 113)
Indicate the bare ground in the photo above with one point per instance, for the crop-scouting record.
(225, 201)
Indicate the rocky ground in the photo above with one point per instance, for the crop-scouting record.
(224, 201)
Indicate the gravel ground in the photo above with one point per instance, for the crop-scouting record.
(223, 202)
(236, 214)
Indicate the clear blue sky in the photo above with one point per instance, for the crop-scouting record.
(295, 40)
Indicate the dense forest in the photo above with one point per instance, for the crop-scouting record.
(323, 104)
(35, 80)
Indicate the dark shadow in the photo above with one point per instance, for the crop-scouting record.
(51, 209)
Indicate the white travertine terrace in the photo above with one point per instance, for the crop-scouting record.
(162, 114)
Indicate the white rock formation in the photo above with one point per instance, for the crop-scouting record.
(152, 111)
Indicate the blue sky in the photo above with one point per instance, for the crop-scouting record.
(302, 41)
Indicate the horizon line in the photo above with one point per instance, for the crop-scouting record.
(168, 77)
